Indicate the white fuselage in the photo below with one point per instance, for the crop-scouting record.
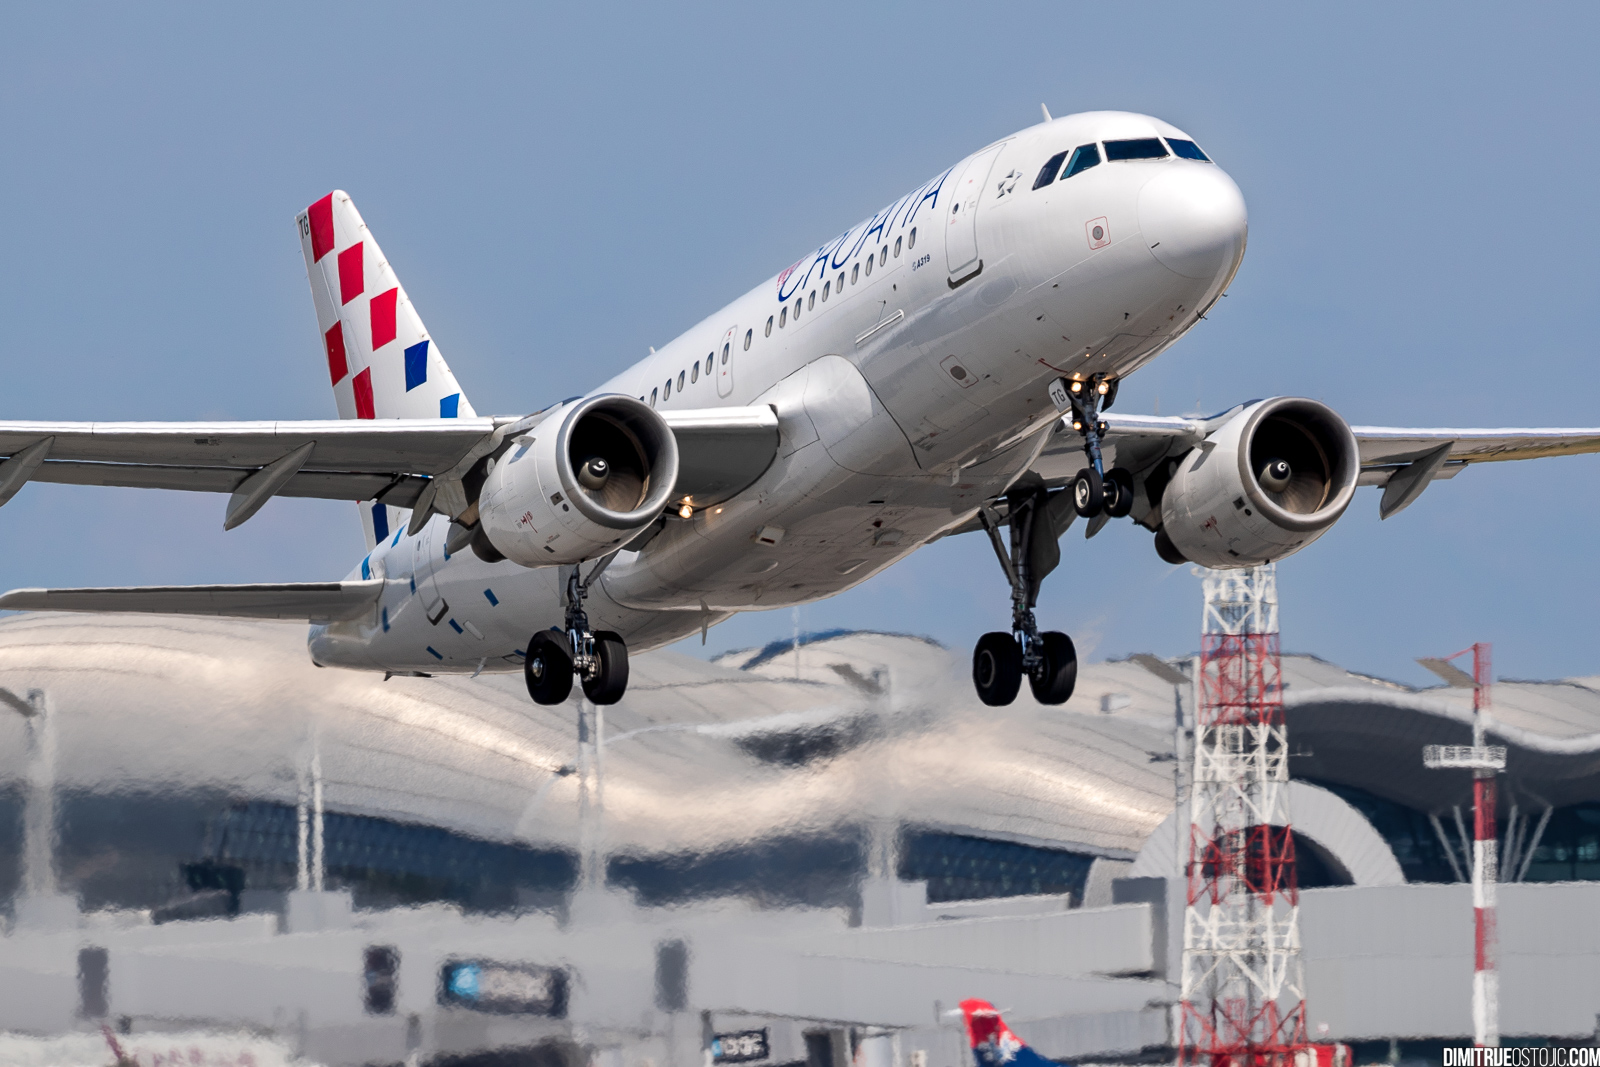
(907, 395)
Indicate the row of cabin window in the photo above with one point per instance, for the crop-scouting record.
(837, 284)
(693, 374)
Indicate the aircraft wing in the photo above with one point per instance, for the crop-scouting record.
(306, 601)
(1418, 456)
(391, 461)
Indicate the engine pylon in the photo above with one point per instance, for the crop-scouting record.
(1243, 991)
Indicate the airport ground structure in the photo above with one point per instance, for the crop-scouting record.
(787, 856)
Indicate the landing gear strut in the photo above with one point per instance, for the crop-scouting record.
(1048, 660)
(598, 658)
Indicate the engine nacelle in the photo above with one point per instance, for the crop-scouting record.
(1272, 480)
(580, 484)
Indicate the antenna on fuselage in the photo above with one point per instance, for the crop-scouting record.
(1046, 111)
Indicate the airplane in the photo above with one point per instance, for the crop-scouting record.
(947, 365)
(993, 1043)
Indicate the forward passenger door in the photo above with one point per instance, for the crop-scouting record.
(961, 216)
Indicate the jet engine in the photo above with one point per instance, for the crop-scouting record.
(1270, 481)
(581, 483)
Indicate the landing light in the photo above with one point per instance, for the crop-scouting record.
(1103, 388)
(687, 511)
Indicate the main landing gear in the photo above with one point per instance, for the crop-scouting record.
(1048, 660)
(599, 658)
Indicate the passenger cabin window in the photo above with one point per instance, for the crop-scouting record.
(827, 285)
(883, 255)
(1137, 148)
(783, 316)
(694, 372)
(769, 327)
(666, 392)
(911, 240)
(749, 335)
(680, 381)
(1186, 149)
(811, 301)
(855, 273)
(897, 248)
(652, 398)
(869, 265)
(1051, 168)
(1083, 157)
(709, 356)
(838, 283)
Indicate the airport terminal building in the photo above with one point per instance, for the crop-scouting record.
(795, 855)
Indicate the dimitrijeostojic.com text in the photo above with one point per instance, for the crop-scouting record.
(1558, 1056)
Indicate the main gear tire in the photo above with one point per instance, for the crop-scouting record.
(610, 678)
(997, 669)
(548, 667)
(1053, 680)
(1167, 550)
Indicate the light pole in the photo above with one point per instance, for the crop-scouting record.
(1179, 682)
(39, 811)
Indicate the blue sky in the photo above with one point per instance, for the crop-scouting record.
(562, 187)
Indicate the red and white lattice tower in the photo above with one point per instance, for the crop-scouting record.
(1243, 991)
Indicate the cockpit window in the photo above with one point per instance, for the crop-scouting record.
(1083, 157)
(1047, 173)
(1187, 150)
(1138, 148)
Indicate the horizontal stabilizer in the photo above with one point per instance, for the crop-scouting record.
(307, 601)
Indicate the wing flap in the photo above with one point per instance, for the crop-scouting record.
(400, 491)
(308, 601)
(721, 451)
(423, 446)
(1381, 445)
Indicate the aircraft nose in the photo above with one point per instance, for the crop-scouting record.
(1194, 220)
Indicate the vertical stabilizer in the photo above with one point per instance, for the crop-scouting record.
(993, 1043)
(382, 362)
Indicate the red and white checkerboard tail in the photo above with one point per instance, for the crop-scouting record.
(381, 360)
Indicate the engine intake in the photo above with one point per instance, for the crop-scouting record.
(1273, 479)
(581, 483)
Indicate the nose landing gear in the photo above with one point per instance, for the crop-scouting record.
(1048, 660)
(1094, 489)
(598, 658)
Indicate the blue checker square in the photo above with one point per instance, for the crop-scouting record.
(416, 365)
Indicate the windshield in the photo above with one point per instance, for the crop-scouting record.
(1083, 157)
(1137, 148)
(1187, 149)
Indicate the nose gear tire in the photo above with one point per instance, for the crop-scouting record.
(1088, 493)
(997, 669)
(610, 678)
(548, 667)
(1119, 493)
(1055, 677)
